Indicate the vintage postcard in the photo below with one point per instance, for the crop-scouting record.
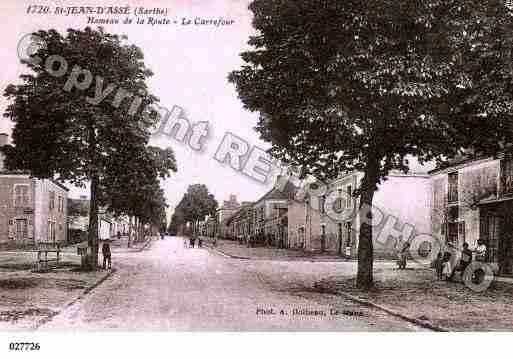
(256, 166)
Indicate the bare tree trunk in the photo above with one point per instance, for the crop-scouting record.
(92, 236)
(364, 278)
(129, 230)
(137, 234)
(93, 223)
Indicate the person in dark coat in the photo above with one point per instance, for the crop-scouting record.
(439, 265)
(107, 260)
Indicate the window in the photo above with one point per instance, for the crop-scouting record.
(21, 196)
(340, 237)
(322, 202)
(453, 187)
(349, 191)
(453, 213)
(452, 235)
(349, 226)
(21, 229)
(52, 200)
(51, 231)
(507, 176)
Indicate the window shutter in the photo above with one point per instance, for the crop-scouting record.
(11, 229)
(461, 230)
(30, 229)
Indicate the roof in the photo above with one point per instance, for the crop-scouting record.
(236, 214)
(461, 162)
(23, 173)
(275, 193)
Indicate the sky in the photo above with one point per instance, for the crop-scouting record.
(190, 65)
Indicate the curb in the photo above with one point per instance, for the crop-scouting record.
(222, 254)
(293, 259)
(86, 291)
(394, 313)
(146, 244)
(136, 250)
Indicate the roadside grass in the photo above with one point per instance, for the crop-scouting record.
(418, 294)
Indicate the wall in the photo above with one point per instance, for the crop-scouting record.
(401, 199)
(8, 212)
(477, 181)
(44, 214)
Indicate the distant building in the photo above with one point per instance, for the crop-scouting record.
(228, 209)
(264, 220)
(108, 224)
(31, 210)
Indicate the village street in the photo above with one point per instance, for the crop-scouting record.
(169, 287)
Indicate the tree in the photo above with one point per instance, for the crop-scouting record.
(61, 129)
(134, 190)
(196, 203)
(352, 85)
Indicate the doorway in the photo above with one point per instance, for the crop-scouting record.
(21, 230)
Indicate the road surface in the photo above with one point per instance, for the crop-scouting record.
(169, 287)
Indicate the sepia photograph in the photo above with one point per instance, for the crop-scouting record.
(265, 167)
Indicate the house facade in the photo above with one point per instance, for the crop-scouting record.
(265, 220)
(108, 225)
(31, 210)
(327, 217)
(473, 199)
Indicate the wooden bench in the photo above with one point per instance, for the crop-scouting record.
(43, 248)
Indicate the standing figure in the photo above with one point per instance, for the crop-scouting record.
(439, 265)
(106, 255)
(403, 255)
(447, 267)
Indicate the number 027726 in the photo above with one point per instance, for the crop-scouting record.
(19, 346)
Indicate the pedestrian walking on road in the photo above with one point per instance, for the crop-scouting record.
(192, 240)
(106, 255)
(200, 242)
(185, 244)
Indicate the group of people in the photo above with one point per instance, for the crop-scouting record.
(445, 262)
(446, 267)
(192, 242)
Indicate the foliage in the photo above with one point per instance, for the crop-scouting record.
(59, 133)
(352, 85)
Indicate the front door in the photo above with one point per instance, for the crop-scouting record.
(506, 247)
(21, 230)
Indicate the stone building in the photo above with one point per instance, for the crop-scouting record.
(327, 217)
(473, 199)
(31, 210)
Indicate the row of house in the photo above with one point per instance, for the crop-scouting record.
(108, 224)
(35, 210)
(468, 200)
